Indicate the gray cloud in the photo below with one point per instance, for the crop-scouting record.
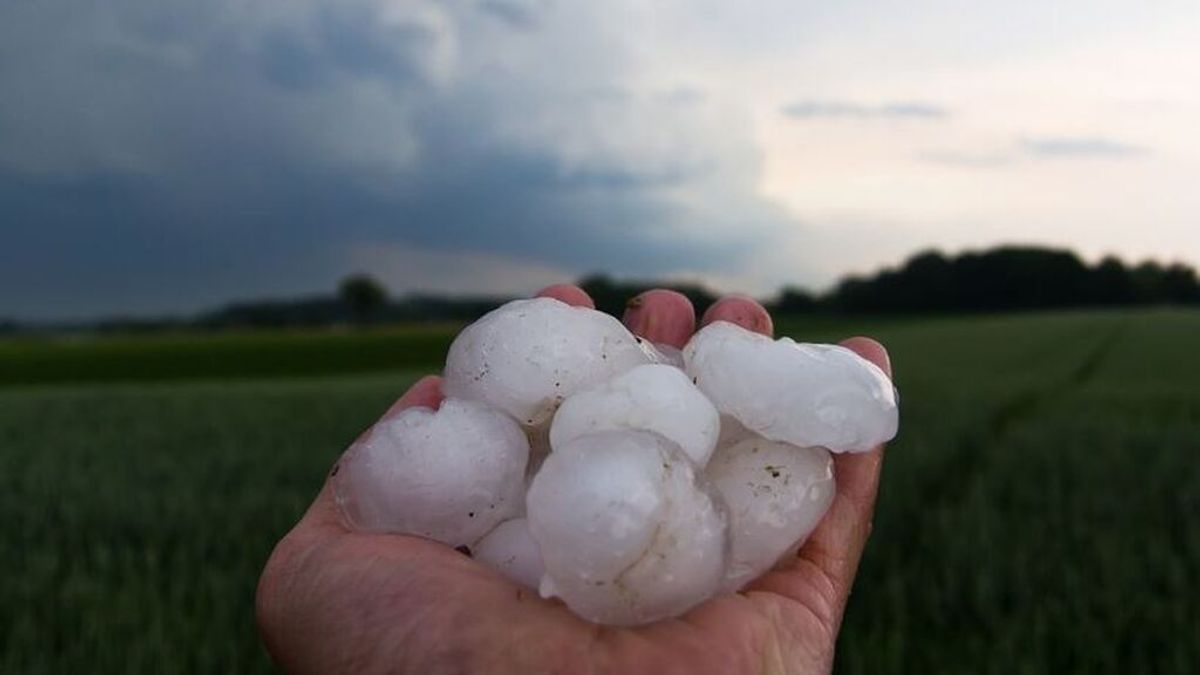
(520, 14)
(160, 159)
(840, 109)
(1080, 147)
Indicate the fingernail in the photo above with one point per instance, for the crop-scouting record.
(568, 293)
(636, 318)
(742, 311)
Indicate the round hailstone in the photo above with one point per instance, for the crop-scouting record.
(525, 357)
(510, 550)
(775, 494)
(626, 533)
(452, 474)
(803, 394)
(653, 397)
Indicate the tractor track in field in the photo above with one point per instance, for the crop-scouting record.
(973, 449)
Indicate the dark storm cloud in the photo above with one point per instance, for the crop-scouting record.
(836, 109)
(347, 41)
(517, 14)
(179, 164)
(144, 241)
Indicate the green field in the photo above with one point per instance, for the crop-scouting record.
(1040, 510)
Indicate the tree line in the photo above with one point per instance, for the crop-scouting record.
(999, 279)
(1002, 279)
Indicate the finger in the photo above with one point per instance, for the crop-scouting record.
(661, 316)
(424, 393)
(568, 293)
(743, 311)
(836, 546)
(870, 350)
(837, 543)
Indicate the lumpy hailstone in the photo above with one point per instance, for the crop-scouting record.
(776, 495)
(803, 394)
(627, 533)
(450, 475)
(526, 357)
(653, 397)
(511, 550)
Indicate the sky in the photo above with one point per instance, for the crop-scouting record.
(167, 156)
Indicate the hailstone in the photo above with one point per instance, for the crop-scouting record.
(776, 494)
(803, 394)
(652, 397)
(511, 550)
(631, 480)
(627, 532)
(452, 474)
(525, 357)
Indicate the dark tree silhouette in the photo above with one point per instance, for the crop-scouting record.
(1112, 283)
(611, 296)
(794, 300)
(999, 279)
(363, 296)
(1010, 278)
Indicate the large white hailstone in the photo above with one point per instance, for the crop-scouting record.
(452, 474)
(511, 550)
(627, 534)
(776, 494)
(803, 394)
(653, 397)
(525, 357)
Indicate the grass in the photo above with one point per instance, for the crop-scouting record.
(1040, 510)
(1057, 531)
(232, 355)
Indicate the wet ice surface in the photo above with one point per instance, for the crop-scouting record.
(627, 533)
(450, 475)
(803, 394)
(654, 397)
(511, 550)
(776, 494)
(631, 481)
(525, 357)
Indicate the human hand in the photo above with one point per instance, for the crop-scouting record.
(335, 601)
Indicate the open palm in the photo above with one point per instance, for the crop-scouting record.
(335, 601)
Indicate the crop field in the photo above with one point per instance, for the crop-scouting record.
(1040, 511)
